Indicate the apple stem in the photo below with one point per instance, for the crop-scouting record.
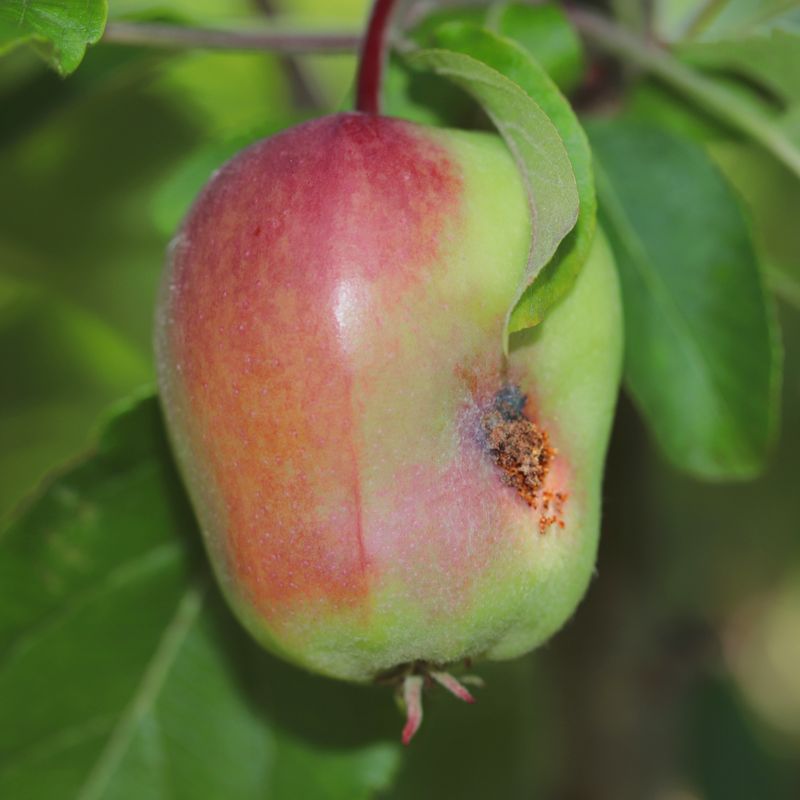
(372, 60)
(412, 695)
(453, 686)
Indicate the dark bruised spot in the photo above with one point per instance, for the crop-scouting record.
(510, 402)
(517, 445)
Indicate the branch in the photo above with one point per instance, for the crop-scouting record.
(178, 36)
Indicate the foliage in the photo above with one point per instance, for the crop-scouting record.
(61, 31)
(160, 694)
(702, 360)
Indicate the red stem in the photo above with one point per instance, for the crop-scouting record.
(373, 58)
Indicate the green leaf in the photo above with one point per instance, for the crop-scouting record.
(697, 20)
(738, 18)
(772, 195)
(425, 98)
(533, 140)
(546, 33)
(654, 103)
(770, 191)
(517, 65)
(61, 28)
(543, 30)
(731, 105)
(771, 58)
(122, 674)
(702, 360)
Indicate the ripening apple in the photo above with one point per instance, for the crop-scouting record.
(381, 491)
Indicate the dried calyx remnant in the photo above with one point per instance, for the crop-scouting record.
(410, 679)
(523, 453)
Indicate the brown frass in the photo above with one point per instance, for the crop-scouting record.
(516, 445)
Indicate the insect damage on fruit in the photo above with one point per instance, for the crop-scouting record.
(368, 502)
(522, 451)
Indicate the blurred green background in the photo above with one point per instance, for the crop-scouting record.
(92, 170)
(679, 678)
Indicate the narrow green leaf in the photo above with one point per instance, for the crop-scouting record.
(697, 20)
(771, 58)
(733, 107)
(740, 18)
(61, 29)
(533, 140)
(702, 359)
(519, 66)
(123, 675)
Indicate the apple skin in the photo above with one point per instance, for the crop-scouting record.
(329, 335)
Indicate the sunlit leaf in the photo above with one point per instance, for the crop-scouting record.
(61, 28)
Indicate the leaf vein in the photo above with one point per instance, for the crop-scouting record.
(153, 680)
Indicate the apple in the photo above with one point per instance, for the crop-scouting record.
(381, 490)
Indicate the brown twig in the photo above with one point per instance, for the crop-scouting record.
(151, 34)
